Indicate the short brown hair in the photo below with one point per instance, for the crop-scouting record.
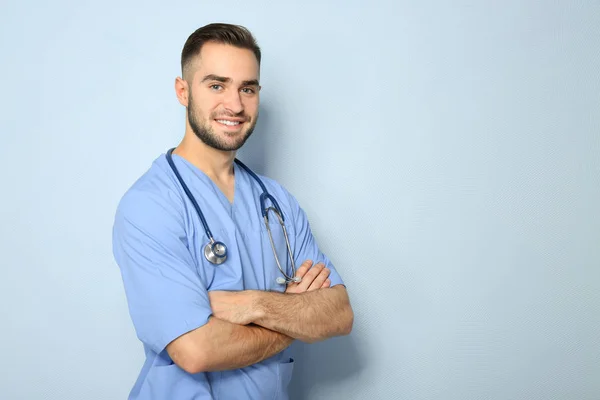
(234, 35)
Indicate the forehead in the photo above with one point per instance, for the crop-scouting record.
(226, 61)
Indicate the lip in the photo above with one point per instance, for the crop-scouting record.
(231, 119)
(230, 127)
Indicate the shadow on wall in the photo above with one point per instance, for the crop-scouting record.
(254, 152)
(325, 364)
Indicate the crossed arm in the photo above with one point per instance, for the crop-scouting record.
(249, 326)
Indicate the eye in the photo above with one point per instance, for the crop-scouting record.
(216, 87)
(248, 90)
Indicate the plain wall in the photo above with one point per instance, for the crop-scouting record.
(447, 155)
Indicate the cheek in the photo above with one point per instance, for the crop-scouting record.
(251, 106)
(213, 112)
(204, 109)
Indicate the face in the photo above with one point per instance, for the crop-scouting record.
(223, 96)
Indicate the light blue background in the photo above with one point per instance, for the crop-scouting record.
(447, 155)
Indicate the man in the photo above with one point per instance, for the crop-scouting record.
(215, 330)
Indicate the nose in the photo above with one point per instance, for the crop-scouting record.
(233, 102)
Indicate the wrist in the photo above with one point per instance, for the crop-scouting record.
(256, 299)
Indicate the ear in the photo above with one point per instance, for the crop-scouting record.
(182, 91)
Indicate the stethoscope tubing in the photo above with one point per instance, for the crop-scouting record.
(264, 210)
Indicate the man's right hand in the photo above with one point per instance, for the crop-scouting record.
(313, 278)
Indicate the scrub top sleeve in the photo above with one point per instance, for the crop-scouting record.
(305, 247)
(165, 295)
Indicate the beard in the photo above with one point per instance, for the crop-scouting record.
(207, 134)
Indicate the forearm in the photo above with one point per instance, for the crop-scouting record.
(220, 345)
(309, 316)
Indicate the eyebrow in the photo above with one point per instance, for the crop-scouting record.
(222, 79)
(251, 82)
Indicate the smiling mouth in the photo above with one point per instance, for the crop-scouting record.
(228, 123)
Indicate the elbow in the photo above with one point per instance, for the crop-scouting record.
(191, 366)
(346, 318)
(348, 322)
(343, 327)
(192, 362)
(190, 354)
(197, 364)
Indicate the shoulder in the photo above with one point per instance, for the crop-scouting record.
(152, 198)
(278, 190)
(286, 200)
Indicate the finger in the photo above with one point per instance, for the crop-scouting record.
(320, 279)
(310, 276)
(326, 284)
(304, 268)
(292, 287)
(300, 272)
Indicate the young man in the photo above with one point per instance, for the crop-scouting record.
(214, 308)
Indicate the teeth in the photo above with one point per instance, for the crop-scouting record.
(230, 123)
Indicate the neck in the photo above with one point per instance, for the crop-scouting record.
(216, 164)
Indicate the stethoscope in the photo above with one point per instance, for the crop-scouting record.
(215, 251)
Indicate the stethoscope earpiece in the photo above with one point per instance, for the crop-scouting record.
(282, 281)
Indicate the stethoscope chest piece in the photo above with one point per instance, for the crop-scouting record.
(215, 252)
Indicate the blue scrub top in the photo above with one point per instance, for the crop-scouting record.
(158, 243)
